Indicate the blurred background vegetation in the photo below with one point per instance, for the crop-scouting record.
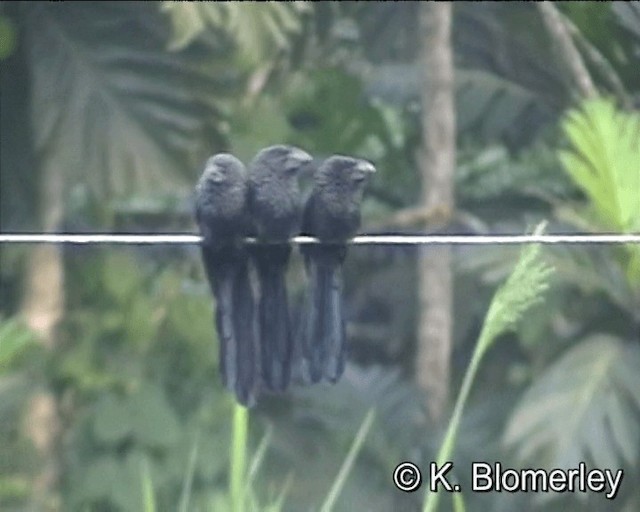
(108, 356)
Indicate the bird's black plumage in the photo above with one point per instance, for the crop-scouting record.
(221, 213)
(332, 214)
(274, 203)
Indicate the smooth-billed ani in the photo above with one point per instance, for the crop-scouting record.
(332, 214)
(275, 206)
(221, 213)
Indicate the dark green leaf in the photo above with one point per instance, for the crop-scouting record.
(580, 409)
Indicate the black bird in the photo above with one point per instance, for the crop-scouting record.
(275, 206)
(223, 220)
(331, 214)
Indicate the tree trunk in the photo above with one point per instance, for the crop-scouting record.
(437, 168)
(42, 308)
(574, 66)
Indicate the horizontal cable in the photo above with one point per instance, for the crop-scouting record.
(134, 239)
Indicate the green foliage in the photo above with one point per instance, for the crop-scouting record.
(238, 458)
(585, 407)
(136, 365)
(143, 367)
(15, 339)
(326, 111)
(508, 86)
(242, 491)
(143, 417)
(187, 485)
(20, 366)
(8, 37)
(497, 108)
(322, 110)
(347, 465)
(260, 30)
(491, 172)
(523, 288)
(603, 162)
(115, 110)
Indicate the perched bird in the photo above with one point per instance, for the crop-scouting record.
(331, 214)
(275, 206)
(221, 214)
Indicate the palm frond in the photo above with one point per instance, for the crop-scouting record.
(112, 107)
(583, 408)
(260, 29)
(603, 161)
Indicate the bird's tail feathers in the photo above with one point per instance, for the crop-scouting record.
(275, 329)
(246, 333)
(322, 327)
(227, 272)
(226, 336)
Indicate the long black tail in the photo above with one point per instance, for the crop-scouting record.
(273, 313)
(246, 330)
(322, 330)
(235, 322)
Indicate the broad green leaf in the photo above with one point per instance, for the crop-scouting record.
(144, 415)
(582, 408)
(330, 113)
(497, 107)
(99, 480)
(111, 423)
(604, 161)
(260, 29)
(112, 107)
(152, 419)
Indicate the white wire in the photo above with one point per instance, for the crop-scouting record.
(92, 238)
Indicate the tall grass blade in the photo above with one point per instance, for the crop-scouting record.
(185, 495)
(148, 497)
(342, 475)
(238, 457)
(522, 289)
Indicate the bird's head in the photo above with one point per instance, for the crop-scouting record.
(282, 159)
(223, 169)
(344, 175)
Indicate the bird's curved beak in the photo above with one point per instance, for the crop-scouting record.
(297, 158)
(365, 167)
(362, 171)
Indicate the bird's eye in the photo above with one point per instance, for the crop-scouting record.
(358, 177)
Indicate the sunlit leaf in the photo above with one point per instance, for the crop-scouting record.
(261, 29)
(604, 161)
